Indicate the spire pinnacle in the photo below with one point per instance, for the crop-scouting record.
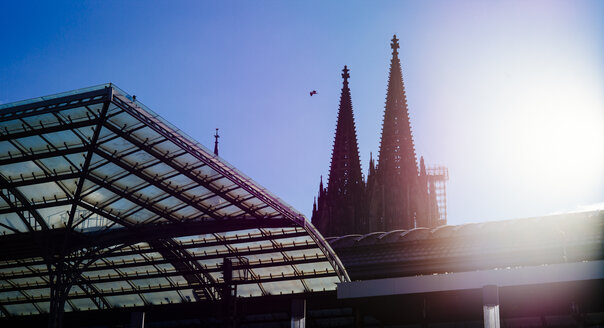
(394, 45)
(345, 74)
(216, 136)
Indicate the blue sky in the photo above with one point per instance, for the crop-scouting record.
(507, 94)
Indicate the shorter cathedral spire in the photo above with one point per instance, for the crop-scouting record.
(340, 205)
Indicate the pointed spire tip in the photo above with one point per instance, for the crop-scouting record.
(394, 45)
(345, 74)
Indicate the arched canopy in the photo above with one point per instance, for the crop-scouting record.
(130, 211)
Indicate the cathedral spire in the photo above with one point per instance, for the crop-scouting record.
(345, 170)
(397, 151)
(345, 185)
(397, 170)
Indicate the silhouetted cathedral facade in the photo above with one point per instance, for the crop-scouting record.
(397, 194)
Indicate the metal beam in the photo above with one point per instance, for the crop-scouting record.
(49, 128)
(149, 274)
(207, 256)
(25, 157)
(160, 288)
(32, 207)
(44, 179)
(86, 164)
(55, 105)
(134, 250)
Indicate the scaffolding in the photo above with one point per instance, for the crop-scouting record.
(438, 176)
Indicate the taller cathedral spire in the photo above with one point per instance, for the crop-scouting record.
(394, 194)
(339, 211)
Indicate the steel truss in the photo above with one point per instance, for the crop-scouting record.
(105, 205)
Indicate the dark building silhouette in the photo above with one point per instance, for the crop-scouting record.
(398, 194)
(342, 204)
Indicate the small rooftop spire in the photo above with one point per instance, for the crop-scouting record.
(216, 136)
(394, 45)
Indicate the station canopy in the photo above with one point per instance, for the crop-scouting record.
(107, 205)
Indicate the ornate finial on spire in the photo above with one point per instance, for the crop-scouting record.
(394, 45)
(216, 136)
(345, 75)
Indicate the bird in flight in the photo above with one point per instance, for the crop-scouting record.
(314, 92)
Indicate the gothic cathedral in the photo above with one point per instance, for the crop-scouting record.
(397, 194)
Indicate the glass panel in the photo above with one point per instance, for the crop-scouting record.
(283, 287)
(56, 216)
(149, 192)
(141, 157)
(14, 171)
(124, 119)
(168, 203)
(41, 191)
(274, 271)
(77, 159)
(33, 143)
(188, 212)
(121, 206)
(83, 304)
(230, 210)
(140, 216)
(198, 192)
(180, 181)
(108, 170)
(5, 148)
(92, 221)
(167, 147)
(163, 297)
(43, 292)
(118, 145)
(319, 284)
(21, 309)
(107, 287)
(249, 290)
(150, 282)
(99, 196)
(131, 181)
(159, 169)
(59, 164)
(125, 300)
(61, 138)
(12, 220)
(308, 268)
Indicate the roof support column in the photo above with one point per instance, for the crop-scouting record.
(298, 313)
(60, 285)
(490, 306)
(137, 320)
(229, 295)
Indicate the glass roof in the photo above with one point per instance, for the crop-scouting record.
(97, 186)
